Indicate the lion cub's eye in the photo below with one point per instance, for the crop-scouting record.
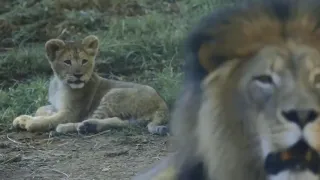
(84, 61)
(67, 62)
(266, 79)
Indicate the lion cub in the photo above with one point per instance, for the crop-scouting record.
(82, 101)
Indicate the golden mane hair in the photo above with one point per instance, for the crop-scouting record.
(234, 33)
(240, 31)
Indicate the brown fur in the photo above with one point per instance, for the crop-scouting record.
(83, 101)
(219, 119)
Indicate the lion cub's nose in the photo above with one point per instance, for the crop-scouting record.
(78, 75)
(300, 116)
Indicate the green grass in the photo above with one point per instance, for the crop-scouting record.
(22, 98)
(142, 48)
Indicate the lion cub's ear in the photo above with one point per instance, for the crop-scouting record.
(52, 46)
(91, 44)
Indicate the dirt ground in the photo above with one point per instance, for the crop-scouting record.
(111, 155)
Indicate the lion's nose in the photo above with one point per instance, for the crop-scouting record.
(78, 75)
(300, 116)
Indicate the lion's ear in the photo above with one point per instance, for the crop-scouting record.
(91, 44)
(205, 55)
(52, 46)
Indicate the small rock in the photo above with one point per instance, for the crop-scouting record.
(105, 169)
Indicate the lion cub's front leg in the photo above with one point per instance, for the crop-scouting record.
(46, 111)
(91, 125)
(99, 125)
(22, 122)
(25, 121)
(42, 123)
(121, 106)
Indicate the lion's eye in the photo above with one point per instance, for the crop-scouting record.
(68, 62)
(261, 88)
(266, 79)
(84, 61)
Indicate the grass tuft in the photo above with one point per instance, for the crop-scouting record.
(22, 98)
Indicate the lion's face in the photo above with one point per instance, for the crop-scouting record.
(276, 94)
(281, 88)
(72, 62)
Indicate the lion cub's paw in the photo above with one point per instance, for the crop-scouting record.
(66, 128)
(22, 122)
(61, 129)
(87, 127)
(161, 130)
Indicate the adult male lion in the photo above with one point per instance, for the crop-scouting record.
(250, 105)
(77, 93)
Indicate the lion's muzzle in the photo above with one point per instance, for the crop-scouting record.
(299, 157)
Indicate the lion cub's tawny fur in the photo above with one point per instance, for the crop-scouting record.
(83, 101)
